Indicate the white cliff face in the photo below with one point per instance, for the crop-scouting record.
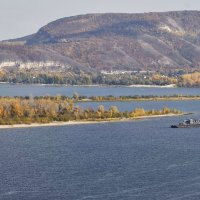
(8, 64)
(176, 26)
(172, 26)
(166, 28)
(32, 65)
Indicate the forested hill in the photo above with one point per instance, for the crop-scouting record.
(94, 42)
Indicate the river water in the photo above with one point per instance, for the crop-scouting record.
(38, 90)
(136, 160)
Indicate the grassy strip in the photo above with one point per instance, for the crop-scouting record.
(136, 98)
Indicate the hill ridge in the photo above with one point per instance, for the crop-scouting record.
(119, 41)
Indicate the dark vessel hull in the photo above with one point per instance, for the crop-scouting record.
(186, 126)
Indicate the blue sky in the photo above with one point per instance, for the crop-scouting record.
(22, 17)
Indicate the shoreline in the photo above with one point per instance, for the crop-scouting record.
(32, 125)
(153, 86)
(95, 85)
(143, 99)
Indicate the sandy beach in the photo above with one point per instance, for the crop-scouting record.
(84, 122)
(153, 86)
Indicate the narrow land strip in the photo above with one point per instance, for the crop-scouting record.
(86, 121)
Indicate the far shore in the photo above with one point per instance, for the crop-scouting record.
(154, 86)
(86, 122)
(180, 98)
(96, 85)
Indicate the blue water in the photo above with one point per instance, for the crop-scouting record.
(111, 161)
(136, 160)
(186, 106)
(37, 90)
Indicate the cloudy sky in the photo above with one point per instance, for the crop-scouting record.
(22, 17)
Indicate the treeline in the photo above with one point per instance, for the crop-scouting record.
(44, 110)
(82, 98)
(190, 80)
(180, 78)
(76, 97)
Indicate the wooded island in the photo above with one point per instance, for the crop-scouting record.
(27, 110)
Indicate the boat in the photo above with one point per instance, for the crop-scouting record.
(188, 123)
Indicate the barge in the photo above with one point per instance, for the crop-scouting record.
(189, 123)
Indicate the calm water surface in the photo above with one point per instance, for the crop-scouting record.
(131, 160)
(38, 90)
(186, 106)
(138, 160)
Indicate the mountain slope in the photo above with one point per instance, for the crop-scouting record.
(150, 41)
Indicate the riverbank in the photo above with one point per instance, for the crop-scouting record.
(154, 86)
(82, 122)
(94, 85)
(130, 99)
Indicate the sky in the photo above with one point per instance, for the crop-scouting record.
(23, 17)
